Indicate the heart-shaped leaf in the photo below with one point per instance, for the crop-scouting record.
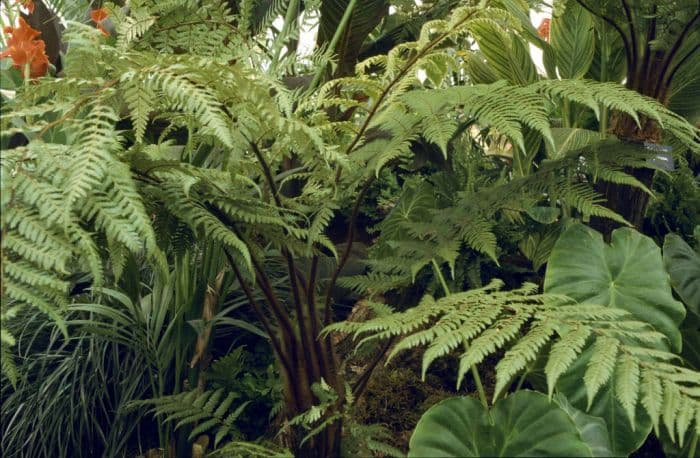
(683, 265)
(593, 430)
(628, 274)
(625, 436)
(523, 424)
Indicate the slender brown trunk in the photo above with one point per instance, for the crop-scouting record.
(297, 366)
(298, 398)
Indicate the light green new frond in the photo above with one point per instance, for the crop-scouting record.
(652, 396)
(39, 194)
(477, 232)
(202, 29)
(249, 211)
(7, 361)
(486, 320)
(94, 149)
(671, 404)
(20, 292)
(37, 243)
(601, 366)
(124, 196)
(373, 282)
(612, 175)
(185, 95)
(627, 385)
(384, 151)
(684, 418)
(202, 221)
(398, 324)
(140, 99)
(521, 354)
(585, 199)
(101, 209)
(133, 26)
(318, 225)
(489, 342)
(30, 274)
(573, 90)
(439, 130)
(593, 94)
(563, 354)
(456, 329)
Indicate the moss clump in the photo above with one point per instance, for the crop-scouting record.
(396, 397)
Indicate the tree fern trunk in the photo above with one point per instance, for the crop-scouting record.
(647, 79)
(628, 201)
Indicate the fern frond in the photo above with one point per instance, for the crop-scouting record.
(205, 411)
(96, 145)
(601, 366)
(627, 385)
(641, 373)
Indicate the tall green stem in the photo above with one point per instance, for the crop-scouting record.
(693, 445)
(566, 112)
(334, 41)
(291, 15)
(441, 278)
(475, 372)
(603, 76)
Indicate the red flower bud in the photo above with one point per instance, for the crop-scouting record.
(98, 16)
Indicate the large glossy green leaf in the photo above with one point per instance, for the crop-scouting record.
(567, 139)
(609, 61)
(685, 101)
(572, 40)
(691, 340)
(507, 54)
(593, 430)
(523, 424)
(364, 18)
(625, 437)
(683, 265)
(628, 274)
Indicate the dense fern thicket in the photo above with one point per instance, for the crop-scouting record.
(187, 211)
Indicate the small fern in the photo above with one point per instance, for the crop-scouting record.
(236, 449)
(206, 411)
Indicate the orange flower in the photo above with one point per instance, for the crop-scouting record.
(24, 48)
(29, 4)
(98, 16)
(543, 29)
